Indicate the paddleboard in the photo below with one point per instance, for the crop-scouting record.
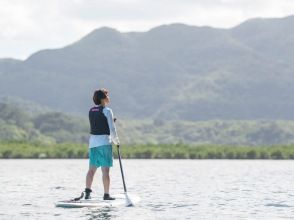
(120, 200)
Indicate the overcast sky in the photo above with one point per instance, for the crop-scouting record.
(30, 25)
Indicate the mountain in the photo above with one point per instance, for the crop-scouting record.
(171, 72)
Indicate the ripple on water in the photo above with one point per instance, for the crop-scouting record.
(280, 205)
(58, 187)
(177, 189)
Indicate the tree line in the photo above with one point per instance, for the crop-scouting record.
(51, 127)
(10, 149)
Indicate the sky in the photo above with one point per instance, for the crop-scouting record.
(27, 26)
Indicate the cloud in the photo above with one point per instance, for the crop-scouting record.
(31, 25)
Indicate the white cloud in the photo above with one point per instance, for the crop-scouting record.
(29, 25)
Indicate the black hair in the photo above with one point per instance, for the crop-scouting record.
(99, 95)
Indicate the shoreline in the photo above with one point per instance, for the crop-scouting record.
(27, 150)
(149, 159)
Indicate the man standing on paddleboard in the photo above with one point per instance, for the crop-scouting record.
(103, 134)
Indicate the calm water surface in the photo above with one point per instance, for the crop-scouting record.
(169, 189)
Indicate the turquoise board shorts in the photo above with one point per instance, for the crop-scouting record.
(101, 156)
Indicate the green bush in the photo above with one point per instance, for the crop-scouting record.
(19, 149)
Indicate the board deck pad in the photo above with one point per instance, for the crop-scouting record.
(120, 200)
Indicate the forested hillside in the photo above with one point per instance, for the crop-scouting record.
(48, 127)
(171, 72)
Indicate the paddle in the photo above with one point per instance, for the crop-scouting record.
(128, 200)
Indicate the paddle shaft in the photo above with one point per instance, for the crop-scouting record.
(121, 169)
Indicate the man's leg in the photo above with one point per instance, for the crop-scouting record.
(90, 175)
(105, 179)
(89, 181)
(106, 183)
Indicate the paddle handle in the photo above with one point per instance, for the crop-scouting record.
(121, 169)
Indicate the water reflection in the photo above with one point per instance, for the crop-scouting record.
(106, 213)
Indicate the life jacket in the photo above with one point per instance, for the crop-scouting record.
(98, 121)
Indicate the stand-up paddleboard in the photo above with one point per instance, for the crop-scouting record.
(120, 200)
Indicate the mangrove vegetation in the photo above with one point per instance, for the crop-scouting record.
(161, 151)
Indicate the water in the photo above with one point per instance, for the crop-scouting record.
(169, 189)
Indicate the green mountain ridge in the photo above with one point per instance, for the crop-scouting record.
(172, 72)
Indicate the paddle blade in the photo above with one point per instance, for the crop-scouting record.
(129, 202)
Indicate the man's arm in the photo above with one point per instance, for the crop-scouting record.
(112, 128)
